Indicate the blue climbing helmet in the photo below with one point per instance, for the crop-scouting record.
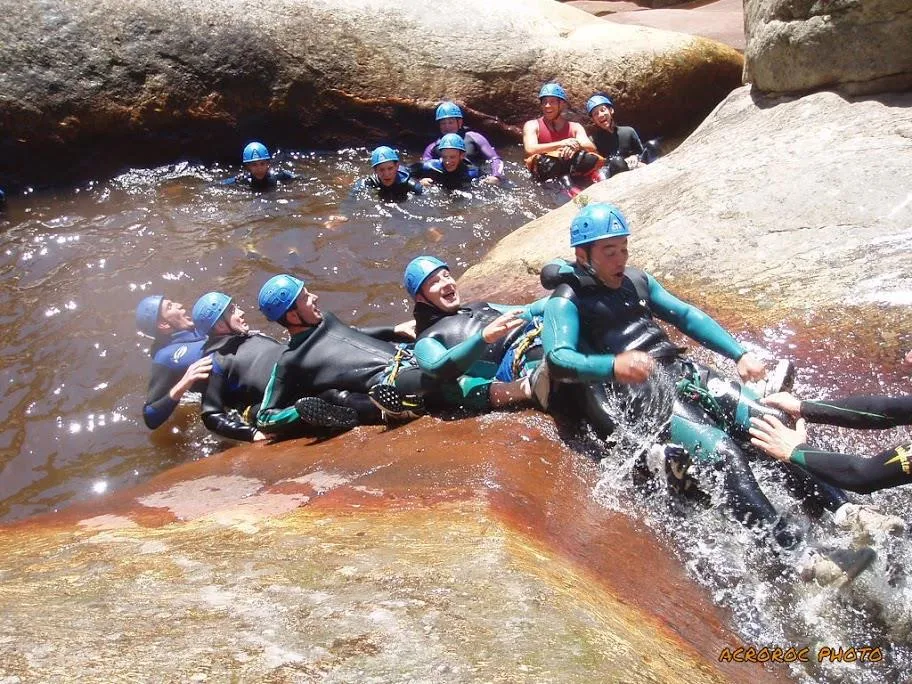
(383, 154)
(278, 295)
(208, 310)
(451, 141)
(448, 110)
(418, 270)
(147, 315)
(596, 221)
(255, 151)
(553, 90)
(597, 101)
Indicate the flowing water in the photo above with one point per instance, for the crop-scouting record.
(74, 263)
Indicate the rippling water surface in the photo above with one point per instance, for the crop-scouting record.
(75, 262)
(73, 370)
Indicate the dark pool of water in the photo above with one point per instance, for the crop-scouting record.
(75, 262)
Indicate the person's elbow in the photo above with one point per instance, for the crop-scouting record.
(560, 364)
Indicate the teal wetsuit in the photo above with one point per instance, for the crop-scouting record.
(450, 347)
(587, 324)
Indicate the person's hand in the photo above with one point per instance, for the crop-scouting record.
(633, 367)
(426, 182)
(751, 368)
(406, 329)
(784, 401)
(490, 180)
(772, 437)
(198, 370)
(502, 325)
(633, 161)
(259, 436)
(907, 359)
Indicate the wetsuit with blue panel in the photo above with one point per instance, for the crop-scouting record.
(450, 347)
(399, 191)
(268, 182)
(170, 359)
(587, 324)
(458, 179)
(478, 151)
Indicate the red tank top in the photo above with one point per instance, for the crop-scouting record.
(546, 135)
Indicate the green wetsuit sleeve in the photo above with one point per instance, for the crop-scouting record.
(560, 339)
(692, 322)
(448, 364)
(276, 412)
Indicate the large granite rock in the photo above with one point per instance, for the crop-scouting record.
(441, 551)
(855, 46)
(772, 208)
(140, 77)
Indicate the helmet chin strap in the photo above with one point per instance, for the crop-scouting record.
(587, 268)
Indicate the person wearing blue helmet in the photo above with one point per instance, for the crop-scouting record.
(600, 331)
(390, 180)
(258, 173)
(478, 149)
(178, 363)
(556, 147)
(472, 345)
(620, 145)
(451, 171)
(242, 363)
(324, 354)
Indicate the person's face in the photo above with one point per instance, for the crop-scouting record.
(608, 258)
(439, 290)
(386, 172)
(603, 117)
(449, 125)
(306, 309)
(551, 107)
(451, 158)
(234, 317)
(258, 169)
(173, 316)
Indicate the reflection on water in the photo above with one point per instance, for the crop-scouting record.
(74, 263)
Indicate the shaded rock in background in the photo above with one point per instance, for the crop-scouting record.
(855, 46)
(770, 208)
(439, 551)
(147, 79)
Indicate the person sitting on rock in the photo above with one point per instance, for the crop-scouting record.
(178, 364)
(242, 363)
(258, 173)
(620, 145)
(600, 331)
(557, 147)
(451, 171)
(325, 354)
(488, 352)
(389, 180)
(889, 468)
(478, 149)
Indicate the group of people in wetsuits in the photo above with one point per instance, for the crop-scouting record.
(556, 149)
(578, 352)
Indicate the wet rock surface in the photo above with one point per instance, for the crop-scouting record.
(772, 208)
(162, 82)
(855, 47)
(441, 551)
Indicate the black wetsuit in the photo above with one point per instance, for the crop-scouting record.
(268, 182)
(621, 142)
(170, 359)
(889, 468)
(397, 192)
(334, 356)
(460, 178)
(587, 324)
(450, 347)
(241, 368)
